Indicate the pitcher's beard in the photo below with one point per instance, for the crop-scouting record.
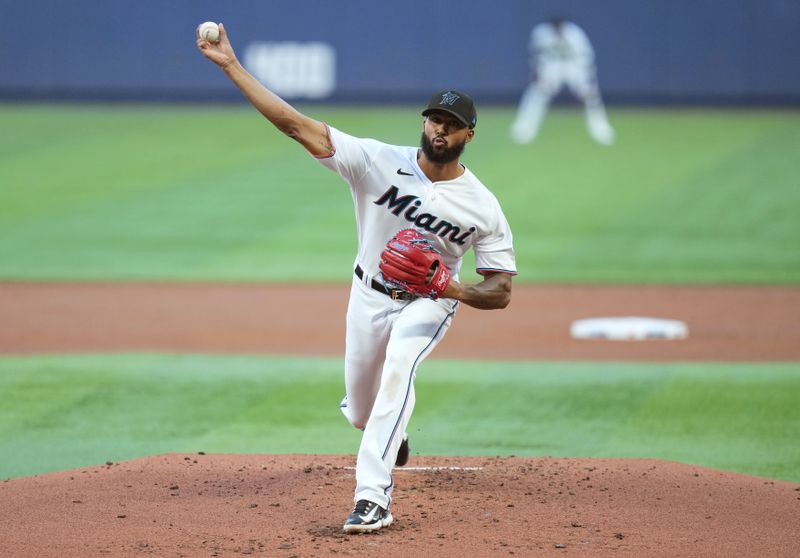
(446, 155)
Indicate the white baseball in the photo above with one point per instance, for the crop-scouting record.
(209, 31)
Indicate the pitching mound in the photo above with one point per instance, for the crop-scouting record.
(223, 505)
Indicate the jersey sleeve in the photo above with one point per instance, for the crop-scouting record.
(495, 252)
(581, 44)
(352, 157)
(537, 39)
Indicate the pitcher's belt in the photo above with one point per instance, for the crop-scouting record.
(394, 294)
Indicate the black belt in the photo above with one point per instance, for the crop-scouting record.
(394, 294)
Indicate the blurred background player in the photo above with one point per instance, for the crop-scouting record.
(560, 53)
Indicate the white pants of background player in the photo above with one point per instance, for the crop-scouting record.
(386, 342)
(581, 80)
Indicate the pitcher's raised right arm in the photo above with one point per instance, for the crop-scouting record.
(311, 134)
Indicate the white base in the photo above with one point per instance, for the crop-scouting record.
(628, 329)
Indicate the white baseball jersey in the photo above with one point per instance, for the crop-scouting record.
(390, 193)
(388, 339)
(570, 46)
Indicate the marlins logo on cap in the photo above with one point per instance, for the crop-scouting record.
(449, 98)
(454, 102)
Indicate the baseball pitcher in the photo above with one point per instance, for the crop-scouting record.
(418, 210)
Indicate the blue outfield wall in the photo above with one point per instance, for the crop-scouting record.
(648, 51)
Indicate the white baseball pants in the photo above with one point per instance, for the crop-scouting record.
(386, 342)
(538, 94)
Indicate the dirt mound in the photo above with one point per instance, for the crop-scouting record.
(223, 505)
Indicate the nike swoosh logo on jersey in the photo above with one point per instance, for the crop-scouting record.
(371, 515)
(404, 173)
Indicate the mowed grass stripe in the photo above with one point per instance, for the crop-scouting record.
(69, 411)
(214, 193)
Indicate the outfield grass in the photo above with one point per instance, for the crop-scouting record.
(213, 193)
(63, 412)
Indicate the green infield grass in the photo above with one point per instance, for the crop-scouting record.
(119, 192)
(62, 412)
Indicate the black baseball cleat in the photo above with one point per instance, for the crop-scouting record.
(402, 453)
(367, 516)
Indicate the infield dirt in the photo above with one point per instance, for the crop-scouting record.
(725, 323)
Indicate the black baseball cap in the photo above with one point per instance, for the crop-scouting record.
(456, 103)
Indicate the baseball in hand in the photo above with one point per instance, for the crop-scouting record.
(209, 31)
